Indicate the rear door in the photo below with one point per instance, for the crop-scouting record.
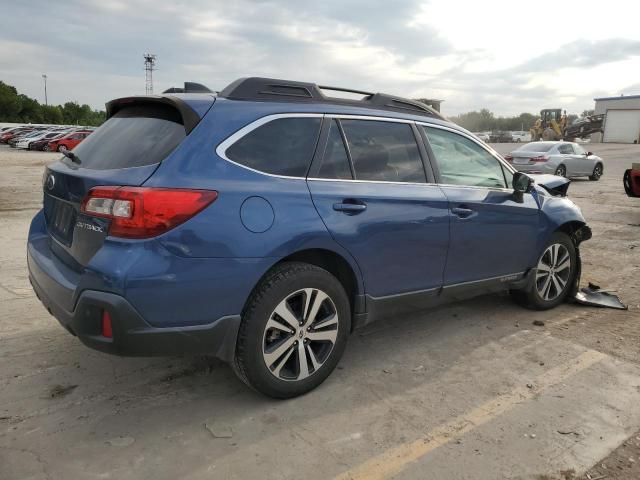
(370, 187)
(494, 233)
(125, 151)
(568, 158)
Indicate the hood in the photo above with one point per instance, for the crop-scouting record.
(553, 184)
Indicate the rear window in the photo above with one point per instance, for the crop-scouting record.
(536, 147)
(281, 147)
(135, 136)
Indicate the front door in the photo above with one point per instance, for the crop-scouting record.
(493, 232)
(374, 198)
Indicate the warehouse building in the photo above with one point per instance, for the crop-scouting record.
(622, 121)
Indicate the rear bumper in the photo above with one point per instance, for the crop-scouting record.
(132, 335)
(537, 168)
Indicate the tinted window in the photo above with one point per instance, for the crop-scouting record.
(463, 162)
(134, 136)
(536, 147)
(335, 163)
(565, 149)
(281, 147)
(384, 151)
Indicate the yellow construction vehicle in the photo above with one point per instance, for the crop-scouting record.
(551, 125)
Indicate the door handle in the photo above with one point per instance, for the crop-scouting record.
(462, 212)
(350, 208)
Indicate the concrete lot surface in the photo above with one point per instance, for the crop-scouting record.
(469, 391)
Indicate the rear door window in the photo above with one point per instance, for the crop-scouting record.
(284, 146)
(384, 151)
(135, 136)
(335, 162)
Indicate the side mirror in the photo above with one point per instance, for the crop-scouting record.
(521, 182)
(589, 154)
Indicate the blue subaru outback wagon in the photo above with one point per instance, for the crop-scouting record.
(266, 222)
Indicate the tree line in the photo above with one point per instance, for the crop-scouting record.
(19, 108)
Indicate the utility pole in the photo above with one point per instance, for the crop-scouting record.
(149, 67)
(44, 76)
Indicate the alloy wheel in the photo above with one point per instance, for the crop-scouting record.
(300, 334)
(597, 172)
(553, 272)
(561, 171)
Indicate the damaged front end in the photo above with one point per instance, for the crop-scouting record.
(555, 185)
(578, 235)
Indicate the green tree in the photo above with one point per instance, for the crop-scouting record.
(19, 108)
(10, 103)
(31, 111)
(52, 114)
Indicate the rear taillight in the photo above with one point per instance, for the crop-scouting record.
(508, 158)
(106, 327)
(539, 159)
(141, 212)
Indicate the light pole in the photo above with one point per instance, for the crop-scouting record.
(44, 76)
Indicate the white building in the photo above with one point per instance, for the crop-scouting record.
(622, 121)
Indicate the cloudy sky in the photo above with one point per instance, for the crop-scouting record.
(503, 55)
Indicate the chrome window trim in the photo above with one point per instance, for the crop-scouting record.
(422, 184)
(221, 149)
(230, 140)
(346, 116)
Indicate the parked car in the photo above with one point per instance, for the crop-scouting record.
(265, 227)
(68, 141)
(43, 143)
(566, 159)
(500, 137)
(520, 136)
(39, 138)
(484, 136)
(631, 180)
(12, 132)
(27, 134)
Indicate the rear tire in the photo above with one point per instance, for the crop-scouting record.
(293, 332)
(561, 171)
(554, 275)
(597, 173)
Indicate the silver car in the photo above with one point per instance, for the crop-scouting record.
(566, 159)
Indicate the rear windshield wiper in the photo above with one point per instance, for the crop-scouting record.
(71, 156)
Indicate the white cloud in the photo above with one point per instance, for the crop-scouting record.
(500, 55)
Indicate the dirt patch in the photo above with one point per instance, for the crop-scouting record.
(622, 464)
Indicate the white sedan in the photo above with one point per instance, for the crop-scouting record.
(566, 159)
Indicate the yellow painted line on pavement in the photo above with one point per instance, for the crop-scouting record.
(396, 459)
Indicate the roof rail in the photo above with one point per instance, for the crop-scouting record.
(265, 89)
(189, 87)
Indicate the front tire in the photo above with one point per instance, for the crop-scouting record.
(62, 148)
(294, 330)
(597, 173)
(554, 276)
(561, 171)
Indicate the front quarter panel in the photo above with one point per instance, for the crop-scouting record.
(556, 212)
